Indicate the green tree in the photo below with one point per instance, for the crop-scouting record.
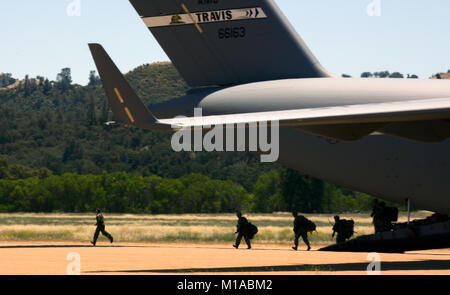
(366, 75)
(396, 75)
(46, 87)
(384, 74)
(6, 79)
(301, 193)
(94, 80)
(64, 80)
(105, 111)
(91, 114)
(268, 193)
(73, 151)
(26, 86)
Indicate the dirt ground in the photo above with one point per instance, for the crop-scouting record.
(55, 258)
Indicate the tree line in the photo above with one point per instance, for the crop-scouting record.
(23, 189)
(122, 192)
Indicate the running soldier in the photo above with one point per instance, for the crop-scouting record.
(100, 228)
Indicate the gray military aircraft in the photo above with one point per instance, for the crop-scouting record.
(385, 137)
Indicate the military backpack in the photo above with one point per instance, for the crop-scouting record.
(392, 213)
(347, 228)
(252, 230)
(310, 226)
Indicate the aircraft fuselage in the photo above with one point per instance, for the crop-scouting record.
(384, 166)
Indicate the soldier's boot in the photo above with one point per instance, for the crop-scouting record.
(306, 241)
(111, 240)
(93, 243)
(247, 241)
(295, 248)
(238, 241)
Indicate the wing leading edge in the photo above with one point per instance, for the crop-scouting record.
(414, 110)
(349, 122)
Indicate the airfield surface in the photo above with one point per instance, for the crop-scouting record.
(51, 258)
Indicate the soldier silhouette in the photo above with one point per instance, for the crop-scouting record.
(377, 215)
(382, 219)
(300, 230)
(338, 228)
(100, 228)
(242, 231)
(386, 217)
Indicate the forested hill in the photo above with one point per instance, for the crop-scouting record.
(59, 126)
(157, 82)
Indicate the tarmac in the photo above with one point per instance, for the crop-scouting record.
(62, 258)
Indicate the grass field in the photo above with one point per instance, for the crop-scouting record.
(273, 228)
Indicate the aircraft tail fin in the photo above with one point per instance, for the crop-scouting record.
(228, 42)
(128, 109)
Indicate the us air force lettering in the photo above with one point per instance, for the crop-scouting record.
(205, 17)
(248, 64)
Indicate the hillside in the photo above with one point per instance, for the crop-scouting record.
(60, 127)
(157, 82)
(442, 76)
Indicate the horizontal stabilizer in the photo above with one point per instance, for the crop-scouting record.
(128, 109)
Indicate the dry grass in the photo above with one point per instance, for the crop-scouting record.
(273, 228)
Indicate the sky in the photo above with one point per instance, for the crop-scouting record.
(346, 36)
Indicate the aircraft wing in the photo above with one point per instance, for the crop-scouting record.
(387, 112)
(421, 120)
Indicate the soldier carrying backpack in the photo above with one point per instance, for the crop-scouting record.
(383, 217)
(390, 215)
(244, 229)
(344, 229)
(252, 230)
(302, 226)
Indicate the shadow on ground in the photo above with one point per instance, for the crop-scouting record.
(385, 266)
(62, 246)
(140, 246)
